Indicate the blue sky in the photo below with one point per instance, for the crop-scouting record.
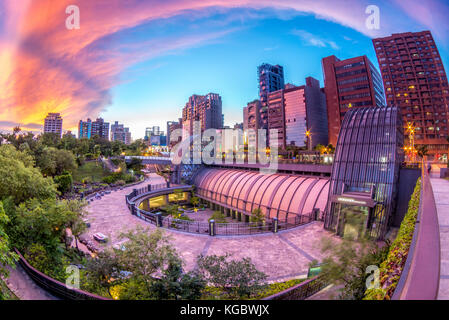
(138, 61)
(158, 88)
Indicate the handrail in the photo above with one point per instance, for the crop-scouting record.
(54, 286)
(197, 227)
(301, 291)
(421, 274)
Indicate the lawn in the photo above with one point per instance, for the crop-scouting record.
(90, 170)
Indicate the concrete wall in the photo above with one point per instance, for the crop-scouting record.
(406, 185)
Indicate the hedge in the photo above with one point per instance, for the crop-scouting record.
(391, 268)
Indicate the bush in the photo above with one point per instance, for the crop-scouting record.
(116, 176)
(237, 278)
(64, 182)
(218, 217)
(391, 268)
(120, 182)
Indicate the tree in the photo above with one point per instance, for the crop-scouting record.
(64, 182)
(319, 147)
(19, 179)
(7, 258)
(422, 150)
(146, 255)
(257, 216)
(50, 139)
(103, 272)
(165, 172)
(175, 284)
(194, 201)
(345, 264)
(54, 162)
(44, 222)
(218, 217)
(237, 278)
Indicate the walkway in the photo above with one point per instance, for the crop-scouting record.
(281, 256)
(441, 192)
(24, 287)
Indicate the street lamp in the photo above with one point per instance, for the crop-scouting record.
(308, 135)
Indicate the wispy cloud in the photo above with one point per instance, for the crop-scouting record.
(314, 40)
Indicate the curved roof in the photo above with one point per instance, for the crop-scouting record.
(277, 195)
(368, 154)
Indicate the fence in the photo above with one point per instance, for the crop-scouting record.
(53, 286)
(210, 228)
(300, 291)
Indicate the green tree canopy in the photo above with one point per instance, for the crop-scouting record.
(238, 278)
(54, 161)
(19, 179)
(7, 258)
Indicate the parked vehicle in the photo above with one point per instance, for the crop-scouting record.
(100, 237)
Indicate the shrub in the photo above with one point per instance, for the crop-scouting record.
(64, 182)
(391, 268)
(218, 217)
(238, 278)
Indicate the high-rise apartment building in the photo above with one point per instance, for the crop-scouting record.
(53, 123)
(207, 110)
(416, 82)
(172, 126)
(251, 119)
(271, 78)
(349, 83)
(120, 133)
(295, 110)
(88, 129)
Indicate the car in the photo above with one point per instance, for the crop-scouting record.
(100, 237)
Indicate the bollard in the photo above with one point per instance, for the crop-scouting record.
(159, 219)
(275, 225)
(212, 227)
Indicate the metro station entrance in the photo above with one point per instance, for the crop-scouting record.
(353, 221)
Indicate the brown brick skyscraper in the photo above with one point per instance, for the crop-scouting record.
(415, 81)
(350, 83)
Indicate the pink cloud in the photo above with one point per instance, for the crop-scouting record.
(51, 69)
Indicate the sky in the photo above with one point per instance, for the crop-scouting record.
(138, 61)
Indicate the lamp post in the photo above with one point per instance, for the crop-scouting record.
(308, 135)
(411, 131)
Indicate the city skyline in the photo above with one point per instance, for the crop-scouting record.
(223, 60)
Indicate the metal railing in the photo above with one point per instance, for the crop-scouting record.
(209, 228)
(53, 286)
(421, 273)
(300, 291)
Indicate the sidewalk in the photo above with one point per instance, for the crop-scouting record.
(24, 287)
(441, 192)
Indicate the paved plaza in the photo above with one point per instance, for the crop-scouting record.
(281, 256)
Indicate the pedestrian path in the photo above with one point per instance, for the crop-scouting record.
(24, 287)
(441, 193)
